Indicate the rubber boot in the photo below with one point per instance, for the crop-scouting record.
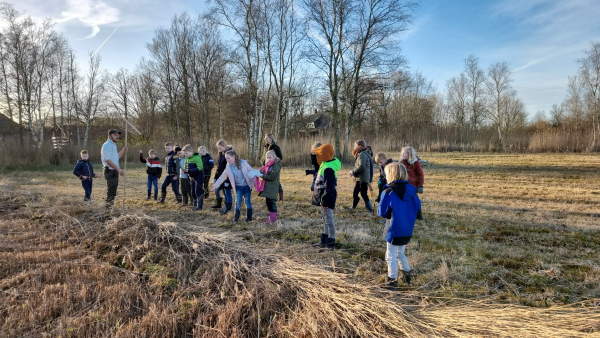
(249, 215)
(193, 201)
(406, 277)
(281, 195)
(369, 206)
(178, 199)
(236, 216)
(149, 195)
(330, 243)
(272, 218)
(163, 195)
(323, 241)
(227, 208)
(218, 205)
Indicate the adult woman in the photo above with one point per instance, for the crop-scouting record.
(361, 174)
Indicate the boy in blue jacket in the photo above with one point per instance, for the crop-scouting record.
(85, 171)
(399, 204)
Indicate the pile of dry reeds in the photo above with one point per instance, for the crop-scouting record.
(66, 271)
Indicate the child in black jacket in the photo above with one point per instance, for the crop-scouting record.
(325, 192)
(154, 171)
(209, 164)
(314, 162)
(84, 169)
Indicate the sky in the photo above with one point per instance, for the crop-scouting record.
(541, 40)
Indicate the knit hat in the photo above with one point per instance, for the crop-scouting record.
(324, 153)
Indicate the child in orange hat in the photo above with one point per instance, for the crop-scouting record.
(325, 191)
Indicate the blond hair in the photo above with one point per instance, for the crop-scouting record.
(151, 151)
(187, 147)
(272, 152)
(412, 155)
(223, 143)
(234, 154)
(380, 156)
(201, 148)
(316, 145)
(396, 172)
(84, 152)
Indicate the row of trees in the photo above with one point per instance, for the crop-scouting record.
(248, 67)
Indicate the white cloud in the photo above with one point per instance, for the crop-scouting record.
(91, 13)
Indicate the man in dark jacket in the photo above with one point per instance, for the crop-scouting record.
(171, 165)
(85, 171)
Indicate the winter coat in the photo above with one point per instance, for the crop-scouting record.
(400, 203)
(416, 177)
(194, 165)
(172, 163)
(325, 192)
(362, 167)
(370, 152)
(84, 168)
(273, 146)
(208, 163)
(221, 165)
(153, 166)
(271, 182)
(228, 175)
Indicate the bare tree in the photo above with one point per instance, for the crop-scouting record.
(589, 72)
(93, 93)
(575, 106)
(475, 87)
(457, 96)
(499, 89)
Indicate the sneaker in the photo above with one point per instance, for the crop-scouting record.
(390, 283)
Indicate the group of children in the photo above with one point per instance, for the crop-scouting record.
(398, 185)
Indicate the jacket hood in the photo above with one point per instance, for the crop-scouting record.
(324, 153)
(403, 189)
(81, 161)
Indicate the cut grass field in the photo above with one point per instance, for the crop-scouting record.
(503, 237)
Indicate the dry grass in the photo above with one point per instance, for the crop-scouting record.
(506, 249)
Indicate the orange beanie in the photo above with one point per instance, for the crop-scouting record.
(324, 153)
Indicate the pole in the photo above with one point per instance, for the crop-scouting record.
(125, 166)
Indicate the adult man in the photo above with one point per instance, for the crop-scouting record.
(110, 161)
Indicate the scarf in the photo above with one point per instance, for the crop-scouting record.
(260, 186)
(357, 150)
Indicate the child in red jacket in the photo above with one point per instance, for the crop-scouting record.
(416, 178)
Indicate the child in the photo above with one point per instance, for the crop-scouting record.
(209, 164)
(172, 166)
(382, 160)
(271, 145)
(223, 147)
(237, 171)
(195, 170)
(154, 171)
(399, 204)
(362, 175)
(325, 192)
(85, 171)
(416, 177)
(271, 184)
(314, 163)
(184, 180)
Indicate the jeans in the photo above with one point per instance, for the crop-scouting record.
(87, 188)
(271, 204)
(152, 181)
(329, 226)
(197, 184)
(186, 189)
(112, 184)
(245, 192)
(392, 255)
(226, 193)
(174, 185)
(363, 189)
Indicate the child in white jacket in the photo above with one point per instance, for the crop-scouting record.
(237, 171)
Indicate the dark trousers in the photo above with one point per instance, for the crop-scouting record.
(197, 190)
(112, 183)
(280, 188)
(186, 189)
(152, 181)
(206, 182)
(87, 188)
(271, 204)
(363, 189)
(174, 185)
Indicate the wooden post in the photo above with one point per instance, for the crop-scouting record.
(125, 166)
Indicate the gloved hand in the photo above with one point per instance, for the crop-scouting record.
(309, 172)
(420, 190)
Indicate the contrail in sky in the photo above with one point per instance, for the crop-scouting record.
(111, 34)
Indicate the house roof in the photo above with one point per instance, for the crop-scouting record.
(8, 126)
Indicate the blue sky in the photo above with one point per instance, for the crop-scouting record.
(540, 39)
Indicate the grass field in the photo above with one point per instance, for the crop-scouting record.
(518, 234)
